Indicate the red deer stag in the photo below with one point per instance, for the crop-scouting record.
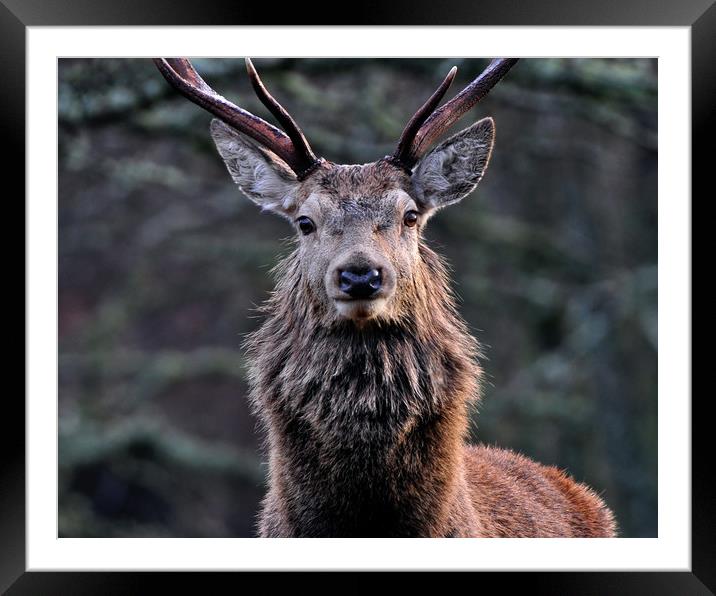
(362, 371)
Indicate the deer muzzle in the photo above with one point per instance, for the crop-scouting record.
(360, 286)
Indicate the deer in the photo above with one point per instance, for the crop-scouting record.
(362, 372)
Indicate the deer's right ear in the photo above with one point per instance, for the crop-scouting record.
(259, 173)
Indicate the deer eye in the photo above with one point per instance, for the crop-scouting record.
(410, 218)
(305, 225)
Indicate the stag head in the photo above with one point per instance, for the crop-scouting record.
(359, 226)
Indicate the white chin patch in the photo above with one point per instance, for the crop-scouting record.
(360, 310)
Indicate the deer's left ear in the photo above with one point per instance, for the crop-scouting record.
(452, 170)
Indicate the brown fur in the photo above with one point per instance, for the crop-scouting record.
(365, 402)
(366, 425)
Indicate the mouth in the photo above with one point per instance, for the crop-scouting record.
(360, 310)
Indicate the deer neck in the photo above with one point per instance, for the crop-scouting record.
(364, 426)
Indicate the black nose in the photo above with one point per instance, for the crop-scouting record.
(360, 283)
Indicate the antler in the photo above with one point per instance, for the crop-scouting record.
(291, 146)
(427, 125)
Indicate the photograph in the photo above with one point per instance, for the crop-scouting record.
(357, 297)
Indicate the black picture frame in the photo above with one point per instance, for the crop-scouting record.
(17, 15)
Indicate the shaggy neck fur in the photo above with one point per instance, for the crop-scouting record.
(364, 426)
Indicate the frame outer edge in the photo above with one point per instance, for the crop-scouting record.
(703, 125)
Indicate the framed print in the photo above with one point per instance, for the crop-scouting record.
(145, 269)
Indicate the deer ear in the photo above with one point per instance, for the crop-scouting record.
(452, 170)
(260, 174)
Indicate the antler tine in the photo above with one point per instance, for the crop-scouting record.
(284, 118)
(292, 148)
(410, 150)
(413, 126)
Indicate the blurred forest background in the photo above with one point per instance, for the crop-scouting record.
(162, 263)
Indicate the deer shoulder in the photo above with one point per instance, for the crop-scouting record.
(518, 497)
